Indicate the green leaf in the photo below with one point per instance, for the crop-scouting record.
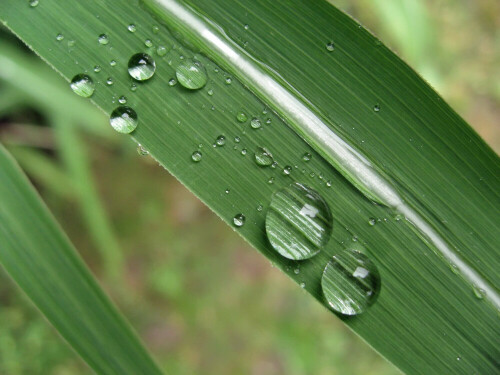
(374, 129)
(40, 258)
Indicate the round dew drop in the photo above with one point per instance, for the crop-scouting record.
(103, 39)
(131, 28)
(350, 282)
(33, 3)
(191, 74)
(82, 85)
(123, 120)
(220, 141)
(298, 222)
(196, 156)
(141, 67)
(263, 157)
(255, 123)
(241, 117)
(239, 220)
(330, 47)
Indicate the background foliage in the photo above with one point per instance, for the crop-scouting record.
(173, 283)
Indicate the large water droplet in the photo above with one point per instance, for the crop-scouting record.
(350, 282)
(123, 120)
(141, 66)
(82, 85)
(191, 74)
(298, 222)
(263, 157)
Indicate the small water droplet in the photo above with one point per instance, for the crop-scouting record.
(244, 152)
(123, 120)
(59, 37)
(307, 156)
(71, 43)
(148, 43)
(227, 191)
(33, 3)
(228, 81)
(141, 67)
(302, 285)
(298, 222)
(122, 100)
(156, 29)
(133, 87)
(172, 82)
(210, 92)
(263, 157)
(255, 123)
(246, 27)
(330, 46)
(131, 28)
(142, 151)
(287, 170)
(112, 63)
(479, 293)
(191, 74)
(97, 69)
(372, 221)
(103, 39)
(328, 184)
(237, 139)
(220, 141)
(241, 117)
(239, 220)
(82, 85)
(376, 108)
(260, 208)
(271, 180)
(350, 282)
(161, 51)
(196, 156)
(268, 121)
(109, 81)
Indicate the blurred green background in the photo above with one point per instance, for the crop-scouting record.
(203, 300)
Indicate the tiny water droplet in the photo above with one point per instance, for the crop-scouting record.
(237, 139)
(59, 37)
(97, 69)
(263, 157)
(239, 220)
(220, 141)
(268, 121)
(298, 222)
(196, 156)
(287, 170)
(330, 46)
(296, 271)
(33, 3)
(350, 282)
(255, 123)
(241, 117)
(479, 293)
(82, 85)
(227, 191)
(191, 74)
(246, 27)
(271, 180)
(123, 120)
(131, 28)
(141, 67)
(112, 63)
(328, 184)
(161, 51)
(148, 43)
(260, 208)
(228, 80)
(372, 221)
(376, 108)
(142, 151)
(103, 39)
(109, 81)
(307, 156)
(156, 29)
(122, 100)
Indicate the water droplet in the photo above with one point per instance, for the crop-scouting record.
(220, 141)
(33, 3)
(172, 82)
(131, 28)
(237, 139)
(302, 285)
(82, 85)
(59, 37)
(479, 293)
(244, 152)
(271, 180)
(263, 157)
(296, 271)
(330, 47)
(241, 117)
(103, 39)
(228, 80)
(287, 170)
(196, 156)
(350, 282)
(227, 191)
(255, 123)
(161, 51)
(123, 120)
(376, 108)
(298, 222)
(133, 87)
(109, 81)
(268, 121)
(112, 63)
(260, 208)
(328, 184)
(307, 156)
(191, 74)
(372, 221)
(156, 29)
(246, 27)
(239, 220)
(210, 92)
(142, 151)
(148, 43)
(141, 66)
(122, 100)
(97, 69)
